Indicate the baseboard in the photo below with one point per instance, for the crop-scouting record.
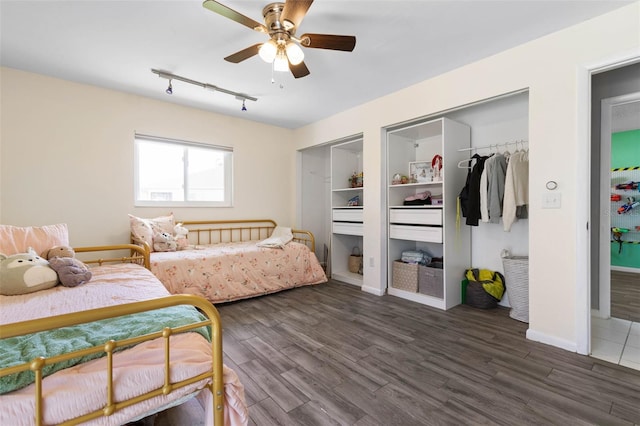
(537, 336)
(373, 290)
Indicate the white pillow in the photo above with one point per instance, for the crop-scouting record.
(142, 230)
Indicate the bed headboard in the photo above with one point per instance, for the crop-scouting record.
(225, 231)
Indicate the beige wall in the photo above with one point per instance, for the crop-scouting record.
(551, 68)
(66, 155)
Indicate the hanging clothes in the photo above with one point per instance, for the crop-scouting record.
(484, 190)
(516, 189)
(463, 197)
(473, 205)
(495, 190)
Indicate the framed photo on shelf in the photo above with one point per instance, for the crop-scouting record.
(420, 171)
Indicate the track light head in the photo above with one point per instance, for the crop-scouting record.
(169, 89)
(244, 107)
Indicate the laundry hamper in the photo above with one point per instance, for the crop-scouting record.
(516, 274)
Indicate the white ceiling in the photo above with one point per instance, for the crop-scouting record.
(115, 43)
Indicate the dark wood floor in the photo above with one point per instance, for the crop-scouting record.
(625, 295)
(334, 355)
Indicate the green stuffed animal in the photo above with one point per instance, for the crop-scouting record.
(24, 273)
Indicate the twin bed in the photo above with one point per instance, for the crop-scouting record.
(225, 261)
(139, 349)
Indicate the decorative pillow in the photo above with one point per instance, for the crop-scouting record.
(24, 273)
(16, 239)
(142, 229)
(71, 271)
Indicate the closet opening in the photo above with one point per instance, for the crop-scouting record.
(495, 125)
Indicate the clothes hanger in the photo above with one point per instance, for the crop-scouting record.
(461, 164)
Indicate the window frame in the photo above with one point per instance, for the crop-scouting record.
(228, 173)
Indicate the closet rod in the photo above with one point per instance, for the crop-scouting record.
(495, 145)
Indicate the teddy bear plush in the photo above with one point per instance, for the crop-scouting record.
(71, 271)
(59, 251)
(24, 273)
(181, 233)
(164, 241)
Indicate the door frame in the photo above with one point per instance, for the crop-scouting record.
(606, 124)
(583, 193)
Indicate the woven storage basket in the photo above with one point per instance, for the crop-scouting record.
(430, 281)
(477, 297)
(405, 276)
(516, 275)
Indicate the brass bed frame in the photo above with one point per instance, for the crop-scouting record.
(203, 232)
(141, 256)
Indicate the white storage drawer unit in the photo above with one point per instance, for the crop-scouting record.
(347, 215)
(348, 228)
(416, 216)
(429, 234)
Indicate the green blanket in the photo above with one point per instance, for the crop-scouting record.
(18, 350)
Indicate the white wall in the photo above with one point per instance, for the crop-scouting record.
(67, 156)
(550, 68)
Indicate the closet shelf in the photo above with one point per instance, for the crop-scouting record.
(406, 185)
(358, 188)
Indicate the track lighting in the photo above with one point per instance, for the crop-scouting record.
(240, 96)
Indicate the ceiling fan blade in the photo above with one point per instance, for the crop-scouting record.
(329, 41)
(244, 54)
(299, 70)
(227, 12)
(294, 11)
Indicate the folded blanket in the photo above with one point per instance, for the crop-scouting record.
(22, 349)
(279, 237)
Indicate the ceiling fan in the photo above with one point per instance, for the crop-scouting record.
(281, 20)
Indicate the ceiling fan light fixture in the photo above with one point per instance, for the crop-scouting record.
(268, 51)
(280, 63)
(294, 53)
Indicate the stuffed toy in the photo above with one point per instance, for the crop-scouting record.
(164, 241)
(59, 251)
(24, 273)
(181, 236)
(71, 271)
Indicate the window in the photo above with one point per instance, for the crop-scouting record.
(177, 173)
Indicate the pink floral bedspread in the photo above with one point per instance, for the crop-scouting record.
(232, 271)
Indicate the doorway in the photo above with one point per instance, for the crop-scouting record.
(615, 110)
(620, 121)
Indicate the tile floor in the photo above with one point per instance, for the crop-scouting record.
(616, 340)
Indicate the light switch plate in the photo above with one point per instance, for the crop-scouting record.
(551, 200)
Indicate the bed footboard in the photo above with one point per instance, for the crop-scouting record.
(215, 375)
(134, 254)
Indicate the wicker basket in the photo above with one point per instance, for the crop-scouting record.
(516, 274)
(355, 261)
